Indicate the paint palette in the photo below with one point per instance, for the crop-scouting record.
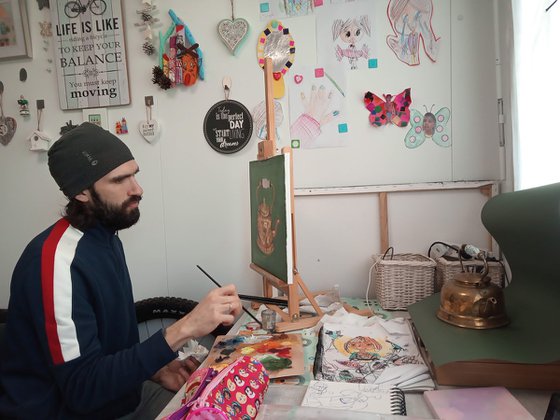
(281, 354)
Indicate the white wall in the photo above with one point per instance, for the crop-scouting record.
(196, 204)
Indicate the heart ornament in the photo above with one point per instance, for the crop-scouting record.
(8, 127)
(233, 32)
(298, 78)
(149, 130)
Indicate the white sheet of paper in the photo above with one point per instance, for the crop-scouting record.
(348, 396)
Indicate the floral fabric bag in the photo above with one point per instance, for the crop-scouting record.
(235, 392)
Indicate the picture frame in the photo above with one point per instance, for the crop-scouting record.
(98, 75)
(271, 216)
(96, 116)
(15, 37)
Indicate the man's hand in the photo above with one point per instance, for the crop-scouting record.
(172, 376)
(220, 306)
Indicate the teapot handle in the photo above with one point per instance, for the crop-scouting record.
(474, 252)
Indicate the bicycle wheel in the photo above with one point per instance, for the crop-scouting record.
(156, 313)
(72, 9)
(98, 7)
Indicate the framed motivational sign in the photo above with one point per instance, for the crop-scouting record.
(228, 126)
(90, 53)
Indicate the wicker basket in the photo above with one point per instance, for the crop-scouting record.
(446, 270)
(403, 279)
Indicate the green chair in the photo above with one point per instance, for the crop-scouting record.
(526, 352)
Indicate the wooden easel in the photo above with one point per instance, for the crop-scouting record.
(267, 149)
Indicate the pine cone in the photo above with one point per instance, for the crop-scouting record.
(148, 48)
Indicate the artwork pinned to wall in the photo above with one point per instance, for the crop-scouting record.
(180, 57)
(96, 116)
(345, 35)
(429, 126)
(280, 354)
(286, 8)
(389, 109)
(90, 54)
(259, 119)
(271, 221)
(411, 21)
(15, 39)
(276, 42)
(317, 108)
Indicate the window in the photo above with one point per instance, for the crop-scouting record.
(536, 123)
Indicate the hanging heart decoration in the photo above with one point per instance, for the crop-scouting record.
(7, 129)
(298, 78)
(149, 130)
(233, 32)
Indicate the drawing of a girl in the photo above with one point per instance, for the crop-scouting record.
(362, 348)
(411, 21)
(350, 32)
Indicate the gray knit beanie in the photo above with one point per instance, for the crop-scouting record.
(84, 155)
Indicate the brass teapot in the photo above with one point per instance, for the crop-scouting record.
(470, 300)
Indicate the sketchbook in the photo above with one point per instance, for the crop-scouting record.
(495, 403)
(355, 397)
(383, 353)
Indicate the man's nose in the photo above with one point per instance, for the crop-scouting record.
(136, 189)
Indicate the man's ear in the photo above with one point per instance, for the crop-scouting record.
(84, 196)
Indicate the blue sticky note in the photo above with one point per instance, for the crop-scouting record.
(372, 63)
(343, 128)
(265, 7)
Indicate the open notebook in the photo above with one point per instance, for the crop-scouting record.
(355, 397)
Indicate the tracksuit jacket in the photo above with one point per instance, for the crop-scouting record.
(71, 345)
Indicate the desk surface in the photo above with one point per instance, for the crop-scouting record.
(536, 402)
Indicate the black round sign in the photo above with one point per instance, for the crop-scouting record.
(228, 126)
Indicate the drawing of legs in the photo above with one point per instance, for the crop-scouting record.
(429, 41)
(259, 119)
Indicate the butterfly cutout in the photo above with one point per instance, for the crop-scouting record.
(428, 125)
(389, 108)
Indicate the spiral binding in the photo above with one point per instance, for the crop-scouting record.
(398, 403)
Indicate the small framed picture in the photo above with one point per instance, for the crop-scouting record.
(96, 116)
(15, 39)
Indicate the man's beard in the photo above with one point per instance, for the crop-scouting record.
(112, 216)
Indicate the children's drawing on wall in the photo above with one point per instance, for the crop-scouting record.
(428, 126)
(280, 9)
(259, 119)
(276, 42)
(389, 109)
(317, 108)
(345, 35)
(411, 21)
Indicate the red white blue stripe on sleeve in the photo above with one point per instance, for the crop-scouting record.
(57, 256)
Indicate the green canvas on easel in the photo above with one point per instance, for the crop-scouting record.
(271, 220)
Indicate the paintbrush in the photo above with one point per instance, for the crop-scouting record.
(262, 299)
(219, 285)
